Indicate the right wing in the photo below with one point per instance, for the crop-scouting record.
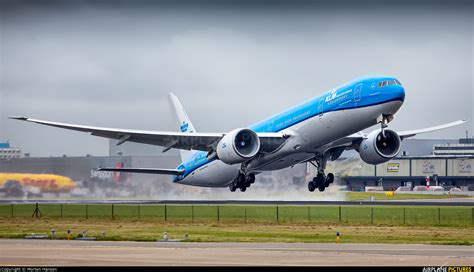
(178, 140)
(144, 170)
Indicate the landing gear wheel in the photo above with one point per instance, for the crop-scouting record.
(243, 188)
(232, 187)
(330, 178)
(318, 180)
(321, 188)
(251, 178)
(311, 186)
(241, 179)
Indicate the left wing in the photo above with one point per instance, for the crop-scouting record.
(178, 140)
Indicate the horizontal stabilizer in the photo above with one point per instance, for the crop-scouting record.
(144, 170)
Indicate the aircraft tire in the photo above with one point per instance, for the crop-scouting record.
(318, 180)
(251, 178)
(330, 178)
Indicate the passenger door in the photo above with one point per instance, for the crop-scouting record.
(320, 108)
(357, 94)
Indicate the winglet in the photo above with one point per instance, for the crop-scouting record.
(22, 118)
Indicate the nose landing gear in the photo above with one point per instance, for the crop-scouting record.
(384, 120)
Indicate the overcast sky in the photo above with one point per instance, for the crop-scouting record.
(231, 65)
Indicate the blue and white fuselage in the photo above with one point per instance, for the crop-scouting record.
(313, 125)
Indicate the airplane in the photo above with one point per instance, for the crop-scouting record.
(315, 131)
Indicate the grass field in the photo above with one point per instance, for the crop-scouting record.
(152, 230)
(365, 196)
(244, 223)
(287, 214)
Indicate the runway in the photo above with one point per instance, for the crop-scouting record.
(15, 252)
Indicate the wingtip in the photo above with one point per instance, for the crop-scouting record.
(22, 118)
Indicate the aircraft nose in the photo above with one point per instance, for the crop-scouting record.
(395, 92)
(400, 92)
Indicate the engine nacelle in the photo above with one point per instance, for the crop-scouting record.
(378, 149)
(238, 146)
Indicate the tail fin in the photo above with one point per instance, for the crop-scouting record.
(184, 123)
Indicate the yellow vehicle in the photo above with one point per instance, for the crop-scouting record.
(13, 183)
(389, 193)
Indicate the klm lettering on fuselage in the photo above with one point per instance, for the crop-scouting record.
(335, 96)
(331, 96)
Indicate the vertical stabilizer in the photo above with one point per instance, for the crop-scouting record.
(185, 124)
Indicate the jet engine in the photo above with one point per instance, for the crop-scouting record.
(238, 146)
(379, 148)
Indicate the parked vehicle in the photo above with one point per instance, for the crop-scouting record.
(20, 184)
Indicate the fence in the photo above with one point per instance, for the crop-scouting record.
(364, 215)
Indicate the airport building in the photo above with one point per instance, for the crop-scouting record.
(406, 172)
(7, 152)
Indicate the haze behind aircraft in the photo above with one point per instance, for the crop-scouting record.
(315, 131)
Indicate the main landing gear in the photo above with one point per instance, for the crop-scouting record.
(321, 181)
(242, 182)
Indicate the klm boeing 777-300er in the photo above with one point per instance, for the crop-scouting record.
(315, 131)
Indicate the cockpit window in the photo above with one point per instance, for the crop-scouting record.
(389, 82)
